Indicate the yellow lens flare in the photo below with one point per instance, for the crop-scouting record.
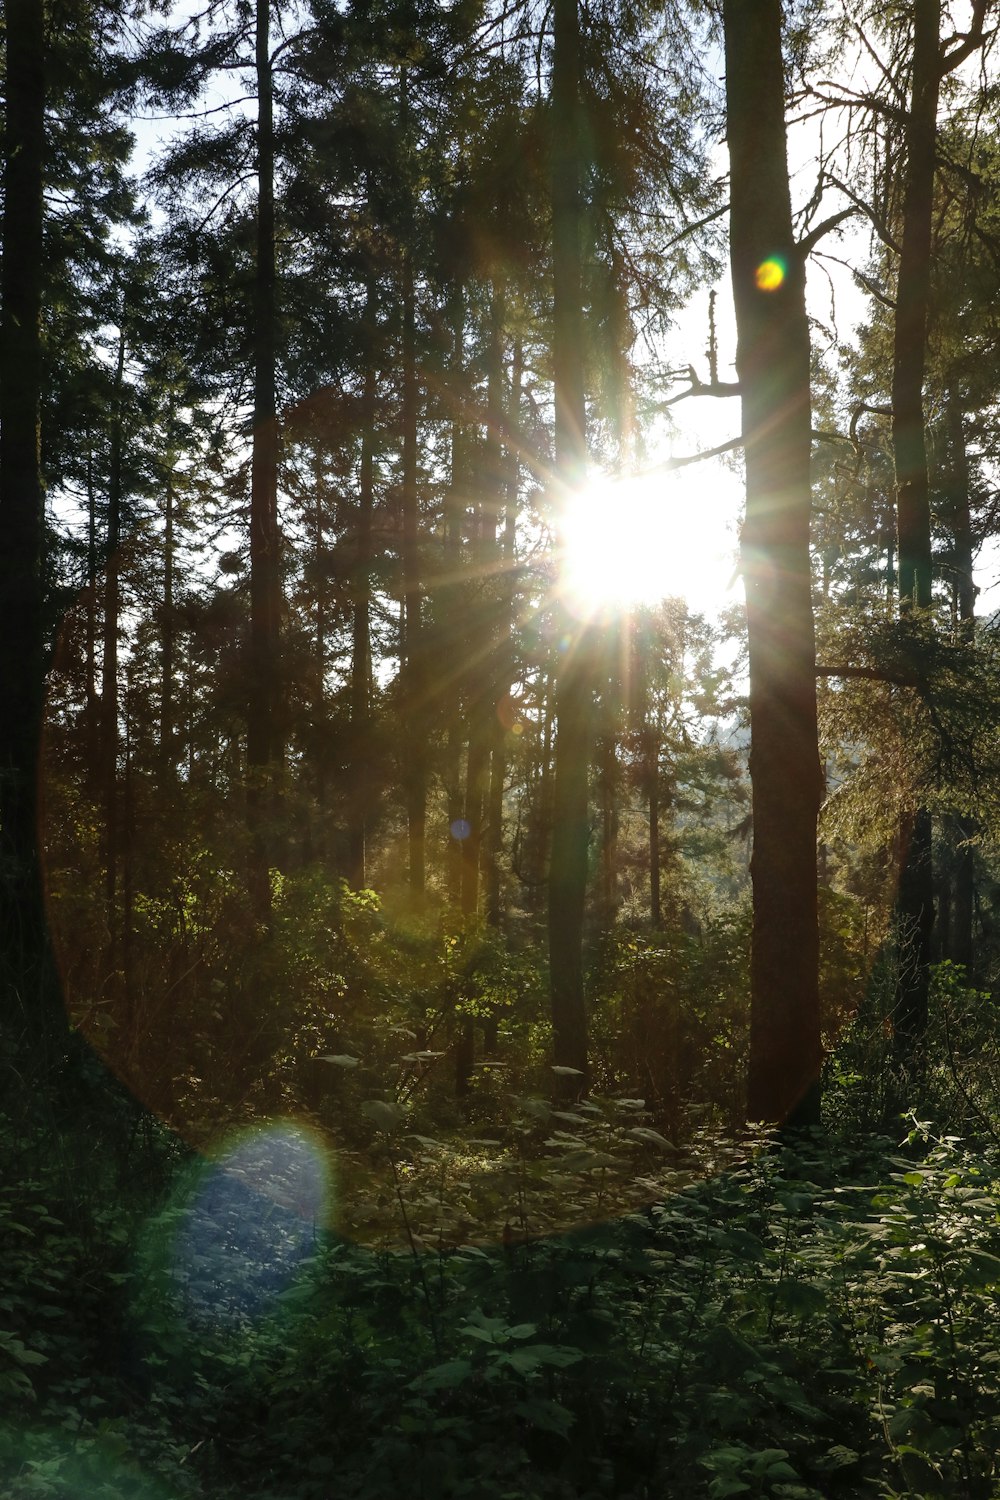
(770, 274)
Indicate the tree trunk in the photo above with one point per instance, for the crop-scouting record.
(505, 657)
(412, 665)
(415, 772)
(264, 747)
(167, 638)
(913, 282)
(109, 671)
(93, 709)
(359, 814)
(450, 602)
(22, 509)
(915, 898)
(574, 691)
(958, 946)
(773, 366)
(652, 770)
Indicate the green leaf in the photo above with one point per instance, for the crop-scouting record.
(340, 1059)
(546, 1415)
(445, 1377)
(645, 1133)
(386, 1116)
(551, 1354)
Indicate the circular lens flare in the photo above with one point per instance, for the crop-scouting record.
(771, 273)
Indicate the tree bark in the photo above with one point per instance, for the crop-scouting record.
(913, 284)
(915, 897)
(573, 692)
(361, 657)
(168, 638)
(773, 367)
(22, 502)
(109, 668)
(415, 774)
(505, 660)
(449, 599)
(958, 944)
(264, 746)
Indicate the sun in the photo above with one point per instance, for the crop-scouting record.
(635, 541)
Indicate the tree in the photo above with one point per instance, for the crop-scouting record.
(930, 64)
(22, 500)
(568, 860)
(772, 361)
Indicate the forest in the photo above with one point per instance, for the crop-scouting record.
(487, 1010)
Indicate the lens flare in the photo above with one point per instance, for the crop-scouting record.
(242, 1226)
(771, 273)
(638, 540)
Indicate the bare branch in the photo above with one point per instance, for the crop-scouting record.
(969, 41)
(876, 220)
(698, 387)
(670, 464)
(815, 235)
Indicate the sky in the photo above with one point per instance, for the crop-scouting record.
(696, 539)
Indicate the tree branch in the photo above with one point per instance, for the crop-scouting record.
(696, 458)
(969, 41)
(699, 387)
(870, 674)
(814, 236)
(877, 222)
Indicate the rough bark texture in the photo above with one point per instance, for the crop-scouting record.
(361, 652)
(773, 366)
(168, 637)
(913, 517)
(570, 830)
(415, 770)
(264, 681)
(505, 671)
(957, 943)
(109, 666)
(915, 897)
(22, 503)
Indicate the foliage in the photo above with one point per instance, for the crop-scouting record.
(808, 1321)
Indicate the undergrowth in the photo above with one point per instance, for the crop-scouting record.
(803, 1323)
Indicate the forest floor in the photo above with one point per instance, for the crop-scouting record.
(804, 1322)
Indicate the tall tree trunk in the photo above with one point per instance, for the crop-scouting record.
(483, 678)
(93, 709)
(574, 692)
(652, 773)
(361, 658)
(415, 774)
(607, 762)
(773, 366)
(959, 945)
(412, 664)
(168, 637)
(109, 670)
(913, 284)
(483, 684)
(22, 511)
(264, 747)
(915, 897)
(505, 658)
(450, 601)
